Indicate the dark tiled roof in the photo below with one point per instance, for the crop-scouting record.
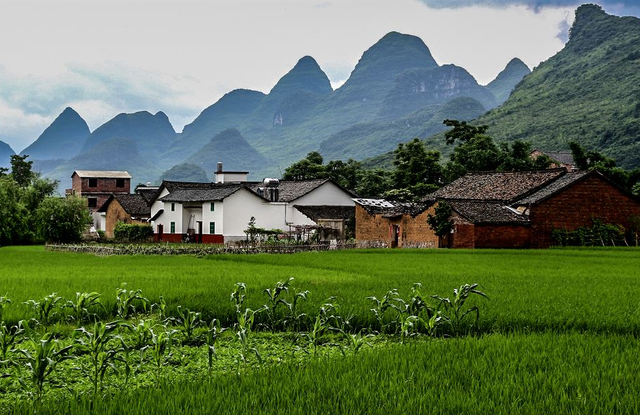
(202, 194)
(148, 193)
(503, 186)
(133, 204)
(552, 188)
(564, 157)
(316, 213)
(390, 208)
(290, 190)
(489, 212)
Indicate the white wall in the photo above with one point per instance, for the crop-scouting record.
(328, 194)
(216, 216)
(241, 206)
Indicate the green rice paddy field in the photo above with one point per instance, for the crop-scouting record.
(559, 333)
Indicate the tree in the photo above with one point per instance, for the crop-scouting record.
(441, 222)
(594, 160)
(13, 214)
(418, 171)
(62, 219)
(310, 167)
(21, 170)
(373, 183)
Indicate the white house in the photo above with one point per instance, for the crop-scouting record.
(220, 212)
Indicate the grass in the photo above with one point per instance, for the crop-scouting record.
(497, 374)
(592, 290)
(559, 333)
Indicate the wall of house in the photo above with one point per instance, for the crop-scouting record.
(244, 204)
(168, 216)
(115, 213)
(328, 194)
(502, 236)
(414, 231)
(216, 217)
(593, 197)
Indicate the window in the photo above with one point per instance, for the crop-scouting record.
(92, 202)
(213, 206)
(173, 227)
(212, 227)
(119, 182)
(93, 182)
(173, 207)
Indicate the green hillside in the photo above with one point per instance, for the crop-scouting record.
(5, 154)
(506, 80)
(185, 172)
(589, 92)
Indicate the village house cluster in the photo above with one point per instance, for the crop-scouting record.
(489, 209)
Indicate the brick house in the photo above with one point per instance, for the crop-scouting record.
(507, 209)
(98, 186)
(125, 208)
(382, 223)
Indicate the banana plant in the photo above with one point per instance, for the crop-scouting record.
(456, 310)
(80, 307)
(98, 346)
(40, 360)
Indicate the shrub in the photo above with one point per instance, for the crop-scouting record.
(132, 232)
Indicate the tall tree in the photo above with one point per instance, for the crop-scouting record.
(62, 219)
(21, 170)
(418, 171)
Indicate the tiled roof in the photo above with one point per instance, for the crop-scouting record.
(290, 190)
(503, 186)
(552, 188)
(316, 213)
(564, 157)
(133, 204)
(148, 193)
(390, 208)
(482, 211)
(103, 174)
(213, 192)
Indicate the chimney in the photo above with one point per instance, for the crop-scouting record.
(219, 167)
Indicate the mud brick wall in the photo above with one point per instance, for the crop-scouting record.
(414, 231)
(502, 236)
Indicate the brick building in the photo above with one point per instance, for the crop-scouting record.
(98, 186)
(504, 209)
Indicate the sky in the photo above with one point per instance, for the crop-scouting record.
(103, 58)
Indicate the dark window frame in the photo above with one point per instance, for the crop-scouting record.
(93, 182)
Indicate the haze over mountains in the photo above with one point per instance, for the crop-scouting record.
(588, 92)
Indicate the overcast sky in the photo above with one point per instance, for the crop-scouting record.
(107, 57)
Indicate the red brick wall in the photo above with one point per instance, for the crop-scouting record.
(502, 236)
(593, 197)
(463, 236)
(104, 186)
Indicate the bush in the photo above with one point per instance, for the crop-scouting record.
(600, 234)
(62, 219)
(132, 232)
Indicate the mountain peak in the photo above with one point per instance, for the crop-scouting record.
(507, 79)
(516, 63)
(305, 75)
(393, 54)
(5, 154)
(62, 139)
(593, 27)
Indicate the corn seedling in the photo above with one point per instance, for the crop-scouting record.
(455, 310)
(357, 340)
(141, 335)
(161, 349)
(214, 330)
(4, 302)
(82, 304)
(8, 338)
(391, 300)
(293, 319)
(161, 307)
(322, 325)
(238, 295)
(188, 321)
(41, 359)
(98, 346)
(274, 296)
(243, 328)
(45, 310)
(126, 301)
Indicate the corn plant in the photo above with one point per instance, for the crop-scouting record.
(243, 328)
(82, 304)
(46, 309)
(357, 340)
(102, 354)
(126, 301)
(293, 319)
(238, 295)
(188, 321)
(456, 310)
(9, 337)
(141, 335)
(214, 330)
(391, 300)
(161, 307)
(4, 302)
(274, 295)
(323, 324)
(40, 360)
(161, 343)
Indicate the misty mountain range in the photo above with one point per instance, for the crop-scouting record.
(396, 92)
